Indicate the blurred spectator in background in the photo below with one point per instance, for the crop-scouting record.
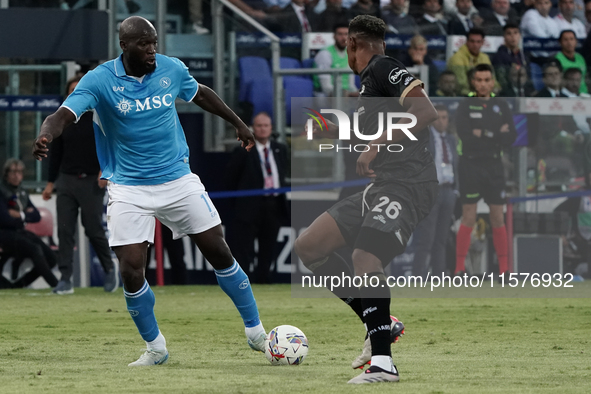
(521, 6)
(552, 78)
(431, 235)
(196, 16)
(449, 8)
(258, 217)
(275, 5)
(335, 56)
(74, 167)
(497, 17)
(536, 22)
(517, 83)
(463, 19)
(508, 54)
(569, 58)
(296, 17)
(417, 53)
(447, 84)
(566, 20)
(588, 15)
(572, 80)
(16, 209)
(468, 56)
(430, 23)
(333, 15)
(398, 21)
(364, 7)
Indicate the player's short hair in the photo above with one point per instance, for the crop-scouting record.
(569, 72)
(339, 25)
(475, 31)
(9, 163)
(479, 68)
(418, 40)
(566, 31)
(441, 107)
(368, 27)
(511, 25)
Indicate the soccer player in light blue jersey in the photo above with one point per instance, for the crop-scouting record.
(144, 155)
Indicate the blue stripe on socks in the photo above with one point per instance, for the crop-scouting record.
(140, 306)
(236, 285)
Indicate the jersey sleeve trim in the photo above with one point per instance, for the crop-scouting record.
(413, 84)
(72, 111)
(193, 96)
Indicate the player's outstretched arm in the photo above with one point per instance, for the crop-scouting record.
(51, 128)
(207, 99)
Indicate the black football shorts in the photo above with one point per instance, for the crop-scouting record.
(482, 178)
(381, 219)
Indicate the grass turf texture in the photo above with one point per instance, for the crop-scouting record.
(83, 343)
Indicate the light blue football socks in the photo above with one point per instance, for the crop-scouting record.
(236, 285)
(140, 306)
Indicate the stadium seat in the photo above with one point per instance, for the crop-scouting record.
(308, 63)
(289, 62)
(441, 65)
(358, 81)
(536, 75)
(296, 87)
(252, 68)
(260, 95)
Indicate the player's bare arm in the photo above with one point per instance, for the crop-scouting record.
(51, 128)
(421, 107)
(207, 99)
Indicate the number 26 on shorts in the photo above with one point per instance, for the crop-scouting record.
(392, 210)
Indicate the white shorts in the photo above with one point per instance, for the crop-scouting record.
(182, 205)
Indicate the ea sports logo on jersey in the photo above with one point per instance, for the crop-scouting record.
(165, 82)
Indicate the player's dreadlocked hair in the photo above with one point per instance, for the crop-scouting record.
(368, 27)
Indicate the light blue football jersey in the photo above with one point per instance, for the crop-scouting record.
(139, 138)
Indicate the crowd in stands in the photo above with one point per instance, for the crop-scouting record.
(567, 21)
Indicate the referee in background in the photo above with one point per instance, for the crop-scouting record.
(485, 126)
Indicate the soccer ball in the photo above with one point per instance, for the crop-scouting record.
(286, 345)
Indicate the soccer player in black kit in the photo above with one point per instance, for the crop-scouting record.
(377, 222)
(485, 126)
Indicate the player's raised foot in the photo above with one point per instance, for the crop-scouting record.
(396, 330)
(375, 374)
(63, 287)
(151, 357)
(257, 343)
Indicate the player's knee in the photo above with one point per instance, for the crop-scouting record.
(133, 277)
(365, 262)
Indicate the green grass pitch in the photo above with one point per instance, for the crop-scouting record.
(82, 344)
